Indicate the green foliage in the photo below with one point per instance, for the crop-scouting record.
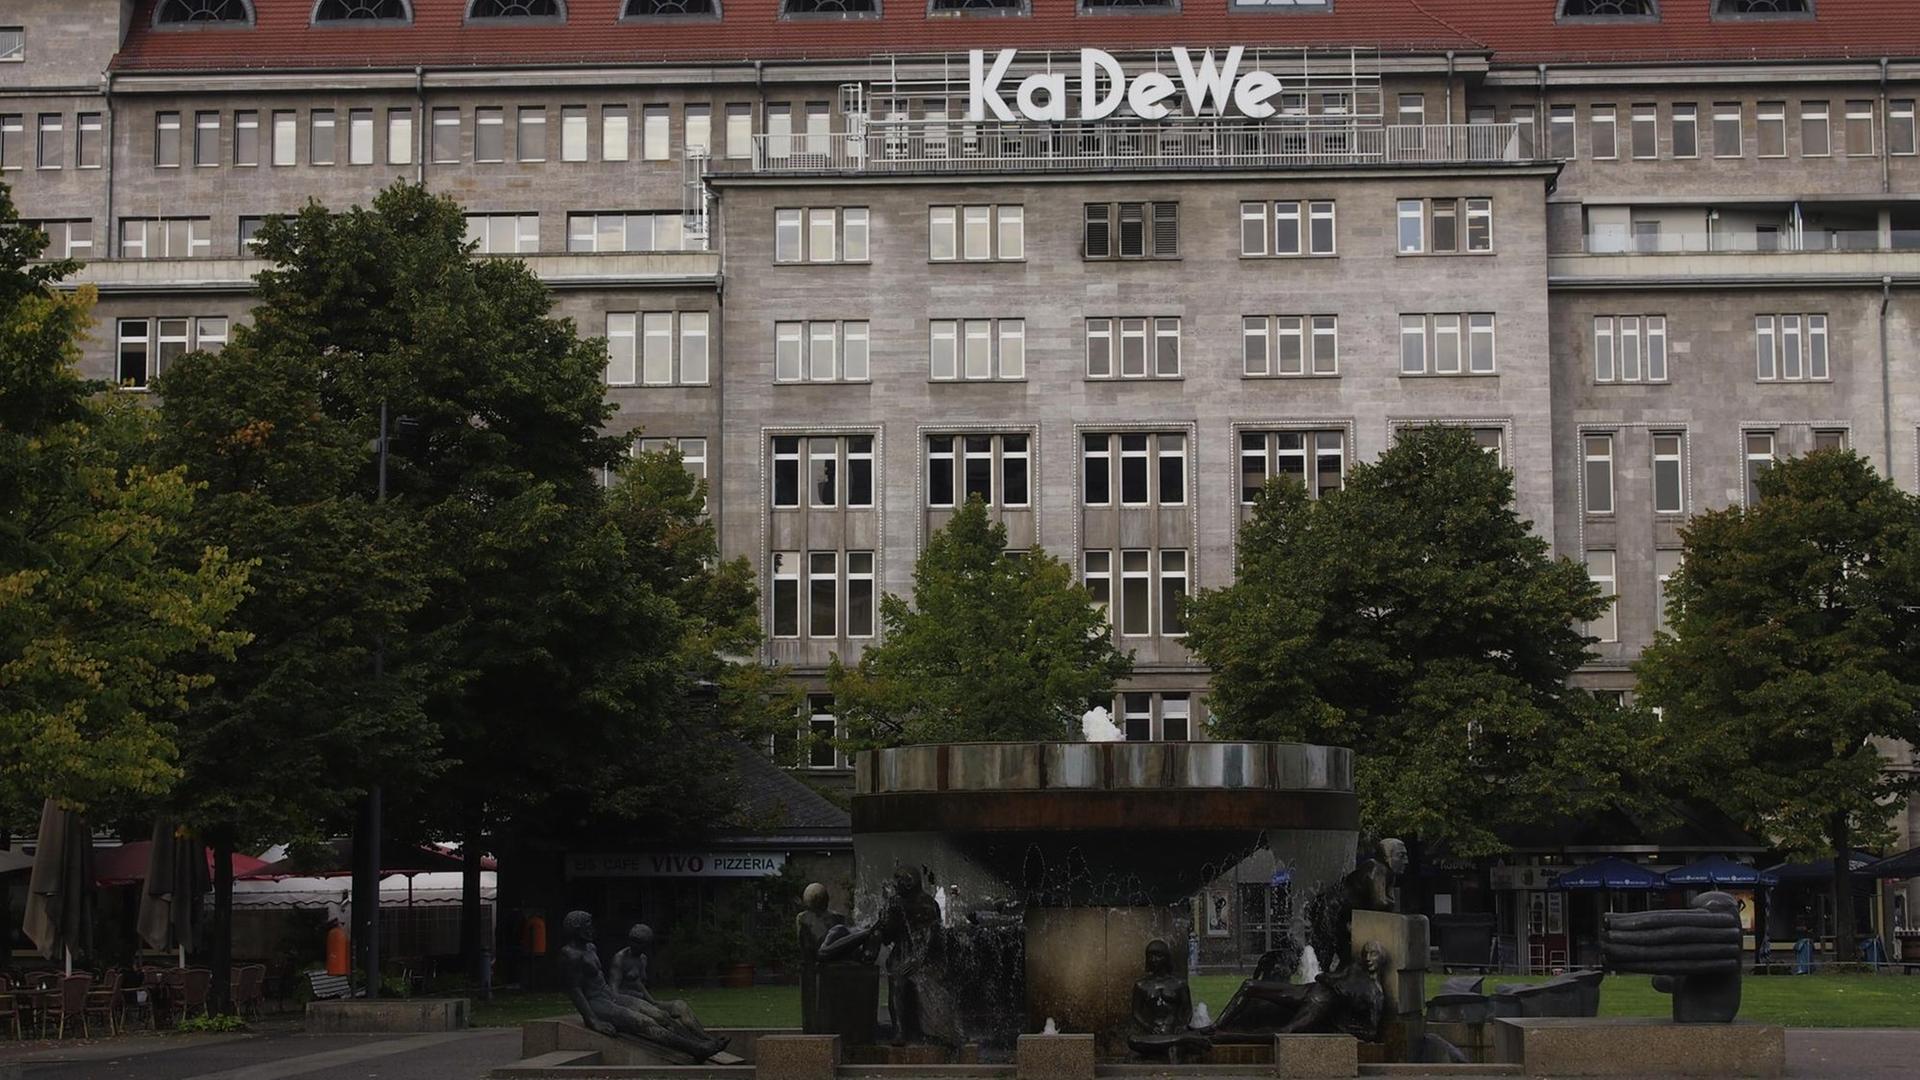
(100, 632)
(210, 1024)
(1415, 617)
(994, 646)
(1795, 654)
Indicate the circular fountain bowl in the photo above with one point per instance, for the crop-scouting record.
(1097, 824)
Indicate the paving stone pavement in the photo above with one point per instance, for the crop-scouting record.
(1812, 1054)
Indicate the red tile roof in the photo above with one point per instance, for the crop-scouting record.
(1519, 31)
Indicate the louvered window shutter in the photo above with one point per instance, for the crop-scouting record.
(1133, 230)
(1166, 229)
(1099, 231)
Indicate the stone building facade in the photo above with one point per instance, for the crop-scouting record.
(1641, 247)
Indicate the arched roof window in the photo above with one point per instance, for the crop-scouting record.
(1763, 8)
(349, 11)
(517, 9)
(197, 12)
(1609, 9)
(669, 9)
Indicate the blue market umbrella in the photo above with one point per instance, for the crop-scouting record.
(1718, 871)
(1610, 873)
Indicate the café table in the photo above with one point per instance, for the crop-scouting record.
(33, 1004)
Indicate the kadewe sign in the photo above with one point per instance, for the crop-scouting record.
(1208, 88)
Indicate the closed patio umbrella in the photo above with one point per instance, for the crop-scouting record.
(59, 913)
(176, 879)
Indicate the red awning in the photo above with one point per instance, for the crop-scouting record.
(126, 864)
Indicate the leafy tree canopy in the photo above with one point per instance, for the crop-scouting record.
(1414, 617)
(995, 645)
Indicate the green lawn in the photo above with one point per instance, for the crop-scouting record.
(1792, 1001)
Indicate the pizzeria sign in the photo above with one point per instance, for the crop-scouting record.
(679, 864)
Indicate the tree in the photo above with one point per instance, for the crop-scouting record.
(1414, 617)
(1795, 656)
(995, 645)
(100, 633)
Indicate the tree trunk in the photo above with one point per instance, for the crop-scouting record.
(472, 931)
(222, 989)
(1843, 933)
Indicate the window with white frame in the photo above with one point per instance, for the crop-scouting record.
(821, 350)
(698, 134)
(977, 349)
(658, 348)
(530, 133)
(839, 472)
(146, 347)
(489, 133)
(1728, 133)
(1770, 129)
(1136, 347)
(165, 238)
(52, 149)
(1666, 563)
(1150, 596)
(739, 130)
(692, 451)
(978, 233)
(1860, 123)
(626, 230)
(1790, 348)
(443, 143)
(1561, 135)
(995, 468)
(1830, 439)
(166, 140)
(1630, 348)
(504, 234)
(1816, 129)
(1315, 460)
(656, 143)
(360, 136)
(573, 133)
(1601, 568)
(1603, 131)
(1287, 228)
(616, 132)
(90, 144)
(1901, 140)
(68, 239)
(1445, 226)
(1597, 477)
(13, 44)
(1147, 468)
(286, 137)
(820, 234)
(1279, 346)
(840, 598)
(1447, 344)
(246, 138)
(320, 137)
(206, 139)
(13, 141)
(1669, 472)
(784, 594)
(1645, 135)
(1760, 458)
(1686, 130)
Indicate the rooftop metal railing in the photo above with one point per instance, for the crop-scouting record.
(958, 147)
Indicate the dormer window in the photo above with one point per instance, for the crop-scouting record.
(361, 11)
(189, 12)
(670, 9)
(831, 9)
(1129, 7)
(1281, 5)
(553, 10)
(1610, 10)
(1763, 9)
(977, 7)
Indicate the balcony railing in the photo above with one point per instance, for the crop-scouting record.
(996, 148)
(1746, 243)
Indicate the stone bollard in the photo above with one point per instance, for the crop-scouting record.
(796, 1057)
(1054, 1057)
(1316, 1055)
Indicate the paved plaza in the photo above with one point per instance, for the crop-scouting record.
(1856, 1054)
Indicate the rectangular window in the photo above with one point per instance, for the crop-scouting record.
(1413, 344)
(1010, 231)
(170, 343)
(1320, 227)
(787, 239)
(1176, 716)
(246, 138)
(1860, 128)
(1314, 460)
(860, 594)
(976, 469)
(622, 343)
(656, 348)
(1096, 464)
(655, 142)
(976, 232)
(68, 239)
(210, 333)
(821, 351)
(1136, 712)
(1686, 130)
(789, 340)
(1134, 474)
(1646, 132)
(940, 463)
(616, 135)
(1900, 128)
(1728, 138)
(1790, 348)
(822, 361)
(89, 151)
(133, 350)
(786, 472)
(1136, 593)
(699, 133)
(1830, 440)
(1603, 130)
(504, 234)
(739, 131)
(1145, 230)
(1446, 344)
(1599, 473)
(1770, 128)
(1166, 348)
(286, 137)
(1148, 347)
(1479, 224)
(694, 335)
(490, 133)
(1173, 592)
(1171, 461)
(786, 594)
(1287, 229)
(13, 44)
(1413, 236)
(1253, 228)
(360, 137)
(320, 150)
(1600, 567)
(1669, 473)
(823, 589)
(52, 151)
(206, 139)
(13, 141)
(530, 134)
(1522, 118)
(446, 135)
(1561, 134)
(1480, 357)
(166, 140)
(573, 133)
(1254, 352)
(1412, 111)
(165, 238)
(398, 137)
(1666, 563)
(821, 235)
(1098, 231)
(1097, 574)
(1759, 460)
(1099, 348)
(1015, 471)
(1816, 129)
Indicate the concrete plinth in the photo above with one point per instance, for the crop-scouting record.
(1639, 1047)
(1404, 937)
(1316, 1055)
(1082, 964)
(396, 1014)
(796, 1057)
(539, 1037)
(1054, 1057)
